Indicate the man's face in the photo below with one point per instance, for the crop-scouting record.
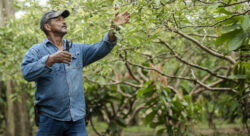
(57, 25)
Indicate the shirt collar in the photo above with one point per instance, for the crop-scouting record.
(47, 41)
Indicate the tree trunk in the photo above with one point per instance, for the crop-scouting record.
(6, 11)
(17, 112)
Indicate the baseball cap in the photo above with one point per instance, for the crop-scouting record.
(52, 14)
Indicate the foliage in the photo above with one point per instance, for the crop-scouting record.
(174, 61)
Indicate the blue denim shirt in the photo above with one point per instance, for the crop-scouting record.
(60, 93)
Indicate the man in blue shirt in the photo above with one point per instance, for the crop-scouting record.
(56, 67)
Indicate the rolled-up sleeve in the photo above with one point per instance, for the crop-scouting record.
(94, 52)
(32, 67)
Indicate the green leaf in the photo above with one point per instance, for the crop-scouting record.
(237, 41)
(121, 122)
(146, 89)
(149, 117)
(160, 131)
(157, 2)
(246, 22)
(227, 36)
(223, 10)
(232, 27)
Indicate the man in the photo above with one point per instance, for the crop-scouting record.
(58, 74)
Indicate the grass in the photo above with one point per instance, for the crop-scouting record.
(200, 129)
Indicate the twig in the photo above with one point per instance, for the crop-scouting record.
(193, 65)
(181, 74)
(119, 90)
(93, 127)
(156, 70)
(175, 21)
(207, 77)
(208, 87)
(232, 4)
(212, 25)
(130, 71)
(114, 83)
(212, 84)
(199, 35)
(210, 51)
(145, 79)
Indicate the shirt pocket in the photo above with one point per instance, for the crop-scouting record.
(76, 60)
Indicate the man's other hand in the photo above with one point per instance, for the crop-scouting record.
(59, 57)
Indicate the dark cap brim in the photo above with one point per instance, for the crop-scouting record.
(65, 13)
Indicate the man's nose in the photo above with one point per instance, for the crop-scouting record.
(63, 21)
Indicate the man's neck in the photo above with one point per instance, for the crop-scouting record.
(57, 41)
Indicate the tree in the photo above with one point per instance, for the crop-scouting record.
(175, 60)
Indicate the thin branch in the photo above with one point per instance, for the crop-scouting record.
(145, 79)
(212, 84)
(232, 4)
(204, 2)
(199, 35)
(135, 111)
(193, 65)
(181, 74)
(212, 25)
(156, 70)
(119, 90)
(207, 77)
(175, 21)
(210, 51)
(209, 88)
(130, 71)
(93, 127)
(184, 78)
(172, 88)
(114, 83)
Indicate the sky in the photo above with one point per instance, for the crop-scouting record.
(20, 13)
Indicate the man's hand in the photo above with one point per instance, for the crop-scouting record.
(59, 57)
(121, 19)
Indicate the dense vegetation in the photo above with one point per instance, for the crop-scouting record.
(177, 62)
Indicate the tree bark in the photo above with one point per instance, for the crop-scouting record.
(6, 11)
(17, 113)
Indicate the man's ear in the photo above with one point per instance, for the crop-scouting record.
(47, 27)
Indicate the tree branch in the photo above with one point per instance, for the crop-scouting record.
(209, 88)
(114, 83)
(145, 79)
(199, 35)
(93, 127)
(232, 4)
(212, 25)
(212, 84)
(193, 65)
(210, 51)
(130, 71)
(207, 77)
(156, 70)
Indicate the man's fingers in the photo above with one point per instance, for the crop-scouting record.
(126, 14)
(66, 52)
(66, 56)
(66, 62)
(67, 59)
(117, 13)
